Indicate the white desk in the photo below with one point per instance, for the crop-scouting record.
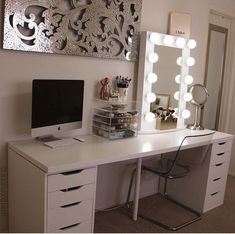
(39, 195)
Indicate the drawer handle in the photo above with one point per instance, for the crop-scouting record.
(69, 205)
(68, 227)
(70, 189)
(221, 154)
(219, 164)
(217, 179)
(213, 194)
(72, 172)
(221, 143)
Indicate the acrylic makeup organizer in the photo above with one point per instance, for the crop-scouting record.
(115, 120)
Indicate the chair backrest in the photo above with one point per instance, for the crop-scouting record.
(176, 161)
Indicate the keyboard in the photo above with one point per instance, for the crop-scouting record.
(61, 143)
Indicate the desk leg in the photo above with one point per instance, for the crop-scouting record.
(137, 189)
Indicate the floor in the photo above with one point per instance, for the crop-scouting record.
(221, 219)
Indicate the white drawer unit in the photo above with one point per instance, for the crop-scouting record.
(217, 176)
(58, 203)
(71, 198)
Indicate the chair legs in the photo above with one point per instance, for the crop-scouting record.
(165, 195)
(173, 228)
(130, 188)
(165, 187)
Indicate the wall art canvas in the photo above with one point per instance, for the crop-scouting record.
(180, 24)
(100, 28)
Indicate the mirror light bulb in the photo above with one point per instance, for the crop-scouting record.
(151, 97)
(190, 61)
(149, 117)
(155, 38)
(192, 44)
(153, 57)
(178, 79)
(180, 42)
(152, 78)
(168, 40)
(179, 61)
(177, 95)
(188, 97)
(186, 114)
(188, 80)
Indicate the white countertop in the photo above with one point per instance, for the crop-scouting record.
(97, 151)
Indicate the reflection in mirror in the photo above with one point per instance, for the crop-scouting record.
(167, 69)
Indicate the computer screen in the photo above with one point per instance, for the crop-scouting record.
(57, 105)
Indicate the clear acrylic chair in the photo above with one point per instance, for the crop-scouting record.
(171, 169)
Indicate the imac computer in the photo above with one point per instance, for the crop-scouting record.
(57, 106)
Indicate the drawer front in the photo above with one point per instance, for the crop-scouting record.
(220, 157)
(71, 195)
(213, 200)
(71, 179)
(67, 215)
(218, 170)
(222, 146)
(84, 227)
(216, 185)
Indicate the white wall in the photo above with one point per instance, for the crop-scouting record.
(17, 69)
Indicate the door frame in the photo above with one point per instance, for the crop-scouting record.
(220, 29)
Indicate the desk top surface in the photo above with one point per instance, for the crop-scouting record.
(97, 151)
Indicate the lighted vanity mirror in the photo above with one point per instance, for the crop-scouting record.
(162, 83)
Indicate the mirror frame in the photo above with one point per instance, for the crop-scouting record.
(145, 68)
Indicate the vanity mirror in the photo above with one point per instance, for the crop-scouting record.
(162, 81)
(199, 97)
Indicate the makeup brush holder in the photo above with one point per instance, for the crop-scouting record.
(123, 93)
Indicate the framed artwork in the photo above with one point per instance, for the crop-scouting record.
(162, 100)
(99, 28)
(180, 24)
